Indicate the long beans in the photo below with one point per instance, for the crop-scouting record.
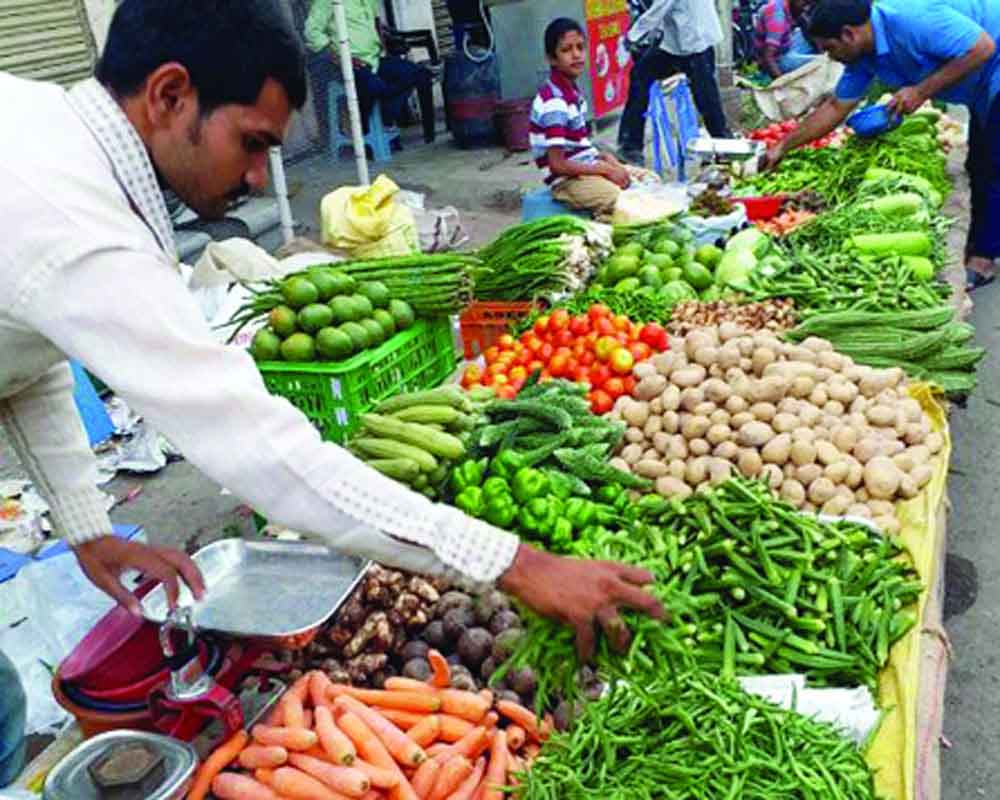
(434, 283)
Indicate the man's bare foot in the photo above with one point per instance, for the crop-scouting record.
(979, 272)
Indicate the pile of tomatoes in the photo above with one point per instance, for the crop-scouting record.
(597, 349)
(773, 134)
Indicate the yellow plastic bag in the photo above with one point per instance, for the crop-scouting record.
(367, 222)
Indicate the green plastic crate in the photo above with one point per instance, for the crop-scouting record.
(335, 395)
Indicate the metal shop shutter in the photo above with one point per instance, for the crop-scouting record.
(47, 40)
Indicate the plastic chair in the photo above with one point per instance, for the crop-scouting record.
(379, 137)
(540, 203)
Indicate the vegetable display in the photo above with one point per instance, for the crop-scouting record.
(432, 283)
(826, 433)
(777, 131)
(772, 315)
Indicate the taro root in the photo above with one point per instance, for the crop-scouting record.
(362, 668)
(423, 589)
(513, 697)
(454, 659)
(434, 635)
(464, 681)
(505, 644)
(457, 621)
(475, 646)
(565, 713)
(488, 667)
(335, 671)
(375, 635)
(418, 669)
(523, 681)
(503, 620)
(353, 612)
(415, 648)
(489, 604)
(379, 677)
(452, 600)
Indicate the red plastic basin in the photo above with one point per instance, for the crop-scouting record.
(761, 208)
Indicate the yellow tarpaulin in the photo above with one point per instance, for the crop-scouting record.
(893, 754)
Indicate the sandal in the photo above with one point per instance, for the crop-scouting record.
(976, 280)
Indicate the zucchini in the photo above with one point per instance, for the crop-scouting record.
(449, 395)
(429, 414)
(438, 443)
(404, 470)
(373, 447)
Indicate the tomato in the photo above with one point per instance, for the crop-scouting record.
(582, 375)
(599, 374)
(605, 346)
(586, 358)
(621, 322)
(523, 358)
(558, 320)
(536, 344)
(655, 336)
(640, 351)
(604, 326)
(518, 373)
(630, 383)
(491, 354)
(506, 392)
(496, 369)
(505, 342)
(545, 351)
(506, 357)
(545, 376)
(517, 384)
(789, 125)
(622, 361)
(535, 366)
(472, 375)
(597, 311)
(615, 387)
(622, 338)
(559, 365)
(600, 402)
(563, 338)
(580, 325)
(541, 325)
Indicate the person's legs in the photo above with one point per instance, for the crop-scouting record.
(12, 717)
(700, 70)
(652, 65)
(320, 67)
(588, 193)
(370, 88)
(983, 165)
(401, 76)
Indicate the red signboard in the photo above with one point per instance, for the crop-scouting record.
(610, 61)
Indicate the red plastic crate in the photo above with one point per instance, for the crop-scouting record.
(484, 322)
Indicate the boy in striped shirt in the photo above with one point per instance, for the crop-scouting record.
(580, 176)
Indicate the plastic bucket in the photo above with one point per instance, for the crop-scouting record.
(513, 121)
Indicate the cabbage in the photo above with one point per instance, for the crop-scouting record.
(735, 267)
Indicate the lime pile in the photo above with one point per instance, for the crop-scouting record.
(329, 316)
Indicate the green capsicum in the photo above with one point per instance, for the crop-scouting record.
(561, 535)
(528, 484)
(495, 486)
(501, 510)
(580, 512)
(609, 493)
(538, 515)
(468, 473)
(506, 463)
(470, 500)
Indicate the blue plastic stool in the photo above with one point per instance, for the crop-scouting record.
(540, 203)
(92, 412)
(379, 137)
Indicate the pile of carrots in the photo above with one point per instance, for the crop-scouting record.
(408, 741)
(785, 222)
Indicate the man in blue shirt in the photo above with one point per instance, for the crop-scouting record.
(943, 49)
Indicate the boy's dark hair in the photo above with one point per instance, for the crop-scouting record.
(829, 17)
(229, 47)
(556, 30)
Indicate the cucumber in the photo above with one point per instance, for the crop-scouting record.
(449, 395)
(390, 449)
(429, 415)
(438, 443)
(404, 470)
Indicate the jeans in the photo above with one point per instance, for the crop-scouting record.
(12, 717)
(799, 54)
(983, 166)
(656, 64)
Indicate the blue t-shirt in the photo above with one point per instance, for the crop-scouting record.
(914, 38)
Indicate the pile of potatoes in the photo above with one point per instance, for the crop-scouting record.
(827, 434)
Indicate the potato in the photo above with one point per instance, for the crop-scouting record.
(802, 386)
(730, 330)
(867, 449)
(911, 408)
(762, 357)
(892, 447)
(717, 434)
(728, 450)
(922, 475)
(661, 441)
(827, 453)
(861, 495)
(671, 398)
(668, 486)
(831, 360)
(789, 405)
(836, 506)
(777, 450)
(620, 463)
(716, 390)
(634, 435)
(699, 447)
(810, 415)
(808, 473)
(769, 390)
(643, 369)
(934, 442)
(746, 345)
(697, 471)
(742, 386)
(904, 461)
(773, 475)
(664, 363)
(651, 453)
(652, 427)
(907, 487)
(803, 354)
(833, 409)
(670, 422)
(650, 387)
(860, 406)
(916, 432)
(691, 398)
(720, 417)
(881, 508)
(819, 396)
(706, 356)
(741, 419)
(749, 463)
(845, 437)
(804, 434)
(920, 453)
(719, 471)
(837, 472)
(841, 391)
(784, 422)
(846, 493)
(729, 356)
(887, 524)
(636, 413)
(821, 490)
(696, 426)
(735, 404)
(755, 434)
(696, 340)
(855, 473)
(765, 412)
(789, 471)
(705, 409)
(881, 478)
(677, 448)
(859, 510)
(656, 406)
(807, 508)
(648, 468)
(874, 382)
(802, 453)
(881, 416)
(677, 468)
(632, 453)
(823, 434)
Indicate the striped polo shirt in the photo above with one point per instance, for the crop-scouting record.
(559, 119)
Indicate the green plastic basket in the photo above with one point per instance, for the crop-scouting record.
(335, 395)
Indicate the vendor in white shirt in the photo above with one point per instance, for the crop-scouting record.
(190, 94)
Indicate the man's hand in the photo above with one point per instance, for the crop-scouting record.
(580, 593)
(103, 561)
(907, 100)
(617, 174)
(773, 156)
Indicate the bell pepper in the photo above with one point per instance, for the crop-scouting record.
(506, 463)
(468, 473)
(580, 513)
(528, 484)
(501, 510)
(560, 484)
(609, 493)
(470, 500)
(652, 505)
(561, 535)
(538, 515)
(495, 486)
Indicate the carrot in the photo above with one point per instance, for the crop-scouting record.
(374, 752)
(426, 731)
(397, 684)
(289, 738)
(295, 715)
(276, 716)
(496, 772)
(300, 689)
(437, 749)
(426, 701)
(466, 705)
(441, 668)
(258, 755)
(309, 719)
(491, 719)
(451, 776)
(346, 780)
(480, 791)
(487, 695)
(337, 746)
(470, 784)
(221, 758)
(472, 745)
(319, 689)
(296, 785)
(425, 777)
(402, 719)
(403, 748)
(264, 775)
(514, 766)
(233, 786)
(530, 753)
(378, 777)
(519, 715)
(515, 737)
(454, 728)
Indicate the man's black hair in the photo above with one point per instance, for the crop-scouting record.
(229, 47)
(829, 17)
(556, 30)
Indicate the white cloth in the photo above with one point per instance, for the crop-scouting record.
(88, 275)
(686, 27)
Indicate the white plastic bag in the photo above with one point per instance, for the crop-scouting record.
(707, 230)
